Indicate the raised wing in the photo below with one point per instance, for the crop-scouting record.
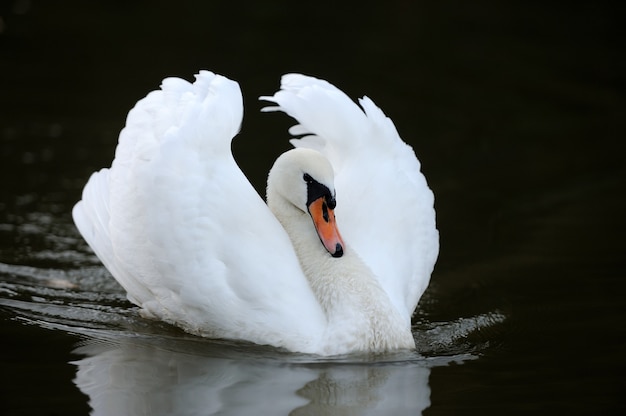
(180, 227)
(384, 206)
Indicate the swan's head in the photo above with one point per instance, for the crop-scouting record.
(305, 179)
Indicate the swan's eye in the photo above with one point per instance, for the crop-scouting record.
(332, 202)
(307, 178)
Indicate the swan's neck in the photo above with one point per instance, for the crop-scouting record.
(359, 312)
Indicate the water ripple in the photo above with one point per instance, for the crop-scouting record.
(88, 302)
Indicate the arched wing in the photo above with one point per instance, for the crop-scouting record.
(384, 206)
(180, 227)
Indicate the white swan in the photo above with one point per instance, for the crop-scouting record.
(182, 230)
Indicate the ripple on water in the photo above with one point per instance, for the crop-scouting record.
(87, 301)
(69, 290)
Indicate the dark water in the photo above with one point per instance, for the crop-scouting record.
(517, 113)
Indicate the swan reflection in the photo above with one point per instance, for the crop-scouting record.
(147, 377)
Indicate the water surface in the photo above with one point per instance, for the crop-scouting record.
(516, 113)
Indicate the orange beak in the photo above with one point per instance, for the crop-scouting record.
(326, 226)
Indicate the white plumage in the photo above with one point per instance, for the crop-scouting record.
(180, 227)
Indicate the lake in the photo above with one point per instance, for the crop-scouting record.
(516, 112)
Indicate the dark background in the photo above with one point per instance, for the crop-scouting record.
(516, 111)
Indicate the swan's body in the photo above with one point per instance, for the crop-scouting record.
(180, 227)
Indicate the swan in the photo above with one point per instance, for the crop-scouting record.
(335, 262)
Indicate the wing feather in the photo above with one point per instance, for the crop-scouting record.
(384, 206)
(180, 227)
